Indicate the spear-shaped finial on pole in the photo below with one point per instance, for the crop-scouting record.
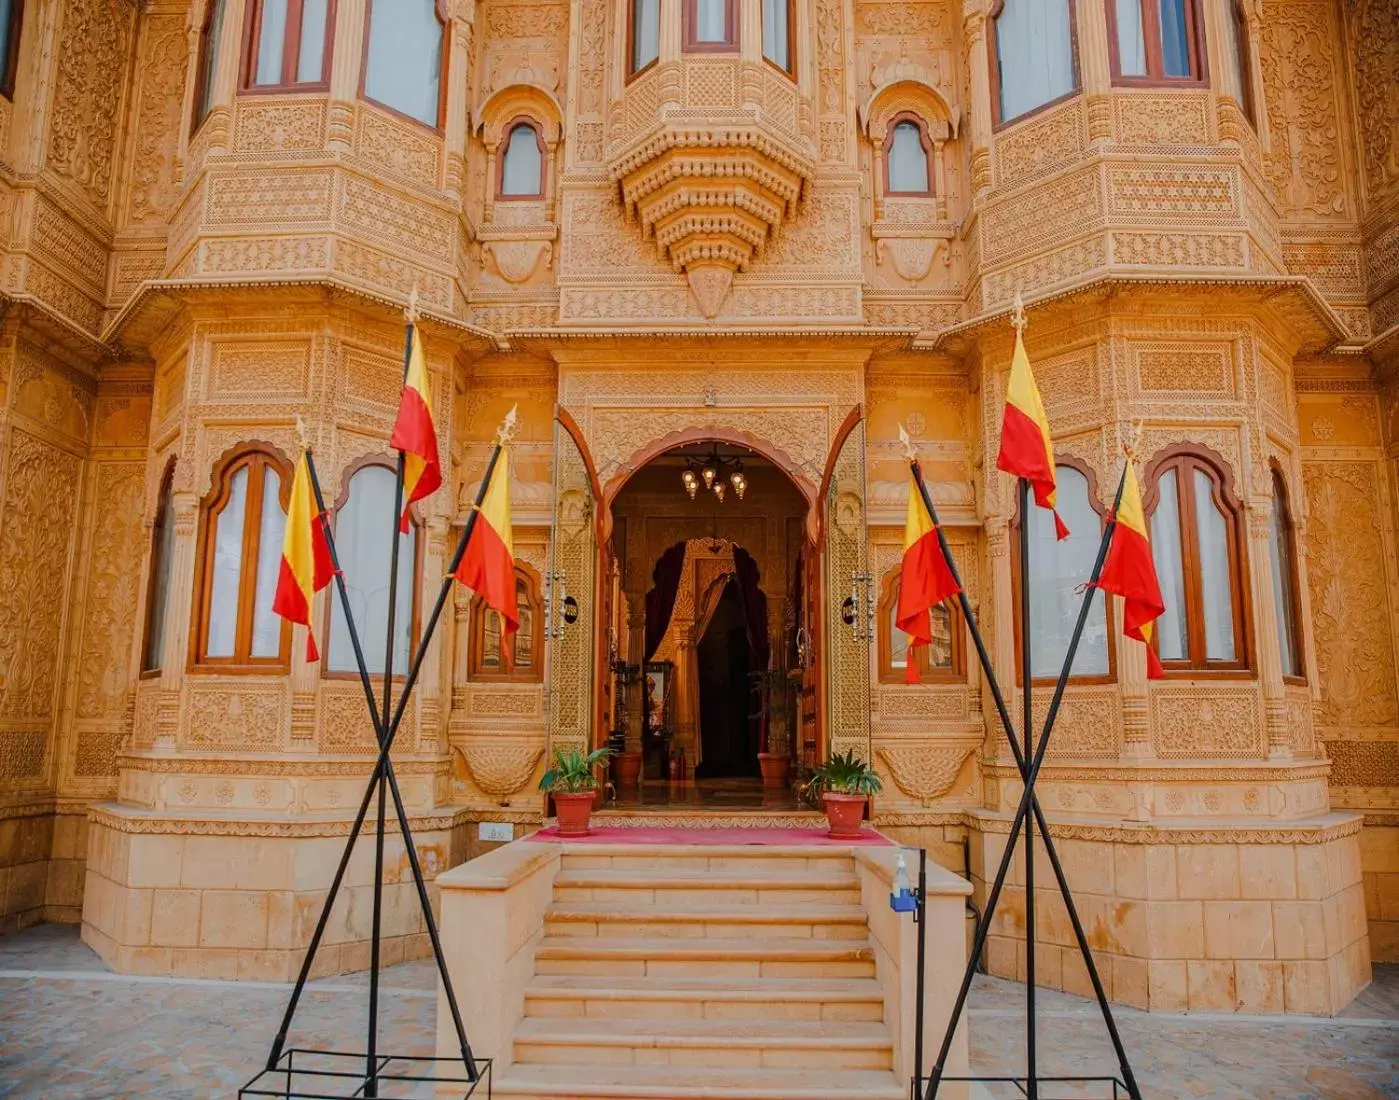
(1017, 314)
(910, 451)
(303, 435)
(410, 311)
(506, 432)
(1132, 444)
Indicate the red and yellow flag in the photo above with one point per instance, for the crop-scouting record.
(1026, 450)
(414, 433)
(1130, 571)
(306, 567)
(925, 579)
(488, 563)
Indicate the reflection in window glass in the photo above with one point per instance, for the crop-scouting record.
(310, 59)
(777, 33)
(228, 568)
(1212, 536)
(1172, 643)
(271, 36)
(1034, 54)
(1131, 38)
(646, 33)
(711, 20)
(1175, 37)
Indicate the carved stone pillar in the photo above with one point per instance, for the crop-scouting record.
(1095, 74)
(459, 31)
(1131, 676)
(1260, 513)
(219, 124)
(974, 37)
(347, 58)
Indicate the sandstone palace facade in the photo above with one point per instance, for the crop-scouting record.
(763, 232)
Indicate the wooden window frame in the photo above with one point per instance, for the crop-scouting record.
(258, 456)
(1244, 59)
(504, 147)
(791, 69)
(1185, 459)
(419, 533)
(12, 36)
(925, 139)
(291, 50)
(632, 72)
(1151, 36)
(1094, 502)
(998, 121)
(1282, 504)
(476, 631)
(689, 18)
(163, 504)
(204, 64)
(440, 8)
(927, 674)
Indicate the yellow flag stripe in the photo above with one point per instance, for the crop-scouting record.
(917, 523)
(495, 508)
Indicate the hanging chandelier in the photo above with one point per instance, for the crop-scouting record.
(716, 472)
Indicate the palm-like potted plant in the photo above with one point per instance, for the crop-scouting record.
(574, 786)
(846, 783)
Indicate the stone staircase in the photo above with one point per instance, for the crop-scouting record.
(688, 972)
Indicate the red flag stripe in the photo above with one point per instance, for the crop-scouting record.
(488, 569)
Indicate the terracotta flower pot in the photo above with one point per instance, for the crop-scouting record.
(627, 768)
(574, 809)
(844, 812)
(774, 766)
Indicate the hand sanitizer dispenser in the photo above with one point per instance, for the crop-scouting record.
(902, 899)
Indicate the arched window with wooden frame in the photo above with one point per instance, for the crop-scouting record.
(908, 156)
(158, 574)
(1282, 553)
(240, 549)
(209, 36)
(405, 58)
(780, 34)
(1197, 540)
(943, 661)
(1033, 56)
(364, 533)
(1155, 42)
(523, 161)
(1059, 568)
(489, 658)
(286, 45)
(11, 20)
(709, 26)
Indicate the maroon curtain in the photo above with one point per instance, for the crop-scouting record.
(755, 605)
(660, 601)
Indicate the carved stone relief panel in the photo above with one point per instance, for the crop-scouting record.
(522, 43)
(1207, 722)
(159, 99)
(1372, 31)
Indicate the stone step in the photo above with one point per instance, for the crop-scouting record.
(666, 859)
(705, 998)
(667, 957)
(771, 1044)
(691, 921)
(680, 886)
(594, 1082)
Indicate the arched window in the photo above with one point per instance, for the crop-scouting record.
(644, 28)
(522, 162)
(1196, 539)
(208, 57)
(158, 585)
(363, 541)
(11, 16)
(242, 522)
(1058, 570)
(943, 660)
(1033, 63)
(709, 25)
(779, 35)
(1282, 550)
(287, 44)
(1236, 54)
(404, 52)
(489, 657)
(908, 168)
(1152, 41)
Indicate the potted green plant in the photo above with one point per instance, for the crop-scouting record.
(846, 783)
(573, 785)
(774, 693)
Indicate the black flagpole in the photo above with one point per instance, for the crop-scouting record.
(1026, 723)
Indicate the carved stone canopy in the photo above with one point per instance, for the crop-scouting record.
(711, 196)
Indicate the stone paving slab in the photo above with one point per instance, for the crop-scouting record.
(70, 1029)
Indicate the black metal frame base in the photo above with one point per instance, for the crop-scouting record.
(1114, 1088)
(341, 1075)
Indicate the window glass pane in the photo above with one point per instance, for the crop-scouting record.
(520, 173)
(898, 640)
(270, 40)
(162, 546)
(1213, 537)
(908, 161)
(710, 20)
(1035, 54)
(524, 638)
(1280, 557)
(1131, 42)
(491, 658)
(227, 569)
(940, 649)
(646, 33)
(775, 33)
(1057, 569)
(206, 63)
(405, 57)
(267, 624)
(1172, 643)
(311, 55)
(363, 538)
(1175, 48)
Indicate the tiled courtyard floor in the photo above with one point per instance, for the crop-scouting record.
(72, 1030)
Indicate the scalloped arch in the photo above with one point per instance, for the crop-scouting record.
(908, 94)
(505, 104)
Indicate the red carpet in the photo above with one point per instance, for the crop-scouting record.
(817, 837)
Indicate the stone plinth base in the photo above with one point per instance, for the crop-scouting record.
(238, 896)
(1379, 866)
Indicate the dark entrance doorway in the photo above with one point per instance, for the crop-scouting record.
(725, 657)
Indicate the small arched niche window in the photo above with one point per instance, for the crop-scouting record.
(1155, 41)
(942, 661)
(404, 55)
(1196, 540)
(709, 26)
(1033, 62)
(287, 45)
(490, 658)
(644, 34)
(209, 36)
(364, 533)
(11, 17)
(1282, 552)
(158, 583)
(523, 160)
(908, 164)
(1058, 570)
(242, 523)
